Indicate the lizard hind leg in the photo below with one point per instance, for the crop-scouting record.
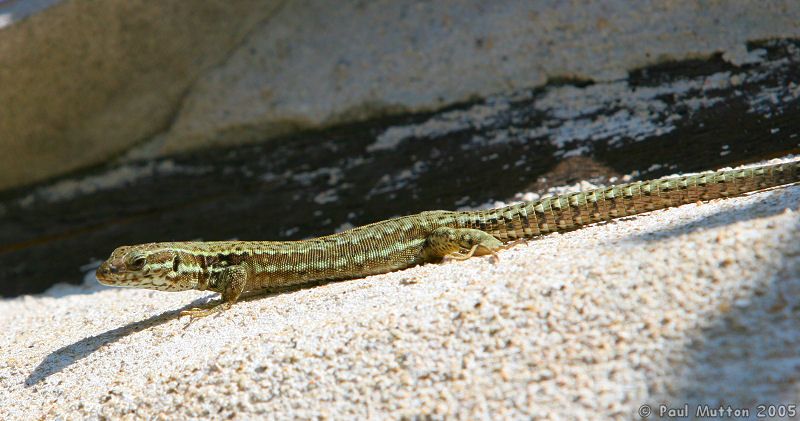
(468, 242)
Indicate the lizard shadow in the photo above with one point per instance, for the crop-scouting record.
(72, 353)
(69, 354)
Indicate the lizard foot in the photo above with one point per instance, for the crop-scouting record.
(232, 280)
(469, 242)
(513, 243)
(197, 312)
(471, 252)
(492, 251)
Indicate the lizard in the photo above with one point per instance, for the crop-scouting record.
(233, 267)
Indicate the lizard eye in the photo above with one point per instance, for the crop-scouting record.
(176, 263)
(137, 262)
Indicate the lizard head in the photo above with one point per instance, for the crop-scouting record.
(152, 266)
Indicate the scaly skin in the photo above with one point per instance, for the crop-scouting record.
(233, 267)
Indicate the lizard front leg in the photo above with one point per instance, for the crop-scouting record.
(231, 282)
(470, 242)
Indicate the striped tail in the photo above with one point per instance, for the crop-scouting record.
(571, 211)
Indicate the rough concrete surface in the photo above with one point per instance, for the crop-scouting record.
(695, 304)
(316, 64)
(81, 82)
(88, 81)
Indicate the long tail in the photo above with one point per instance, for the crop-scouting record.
(570, 211)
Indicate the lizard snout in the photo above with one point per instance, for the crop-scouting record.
(105, 271)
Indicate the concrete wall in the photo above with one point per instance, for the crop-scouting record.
(85, 82)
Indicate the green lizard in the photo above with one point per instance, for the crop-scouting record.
(233, 267)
